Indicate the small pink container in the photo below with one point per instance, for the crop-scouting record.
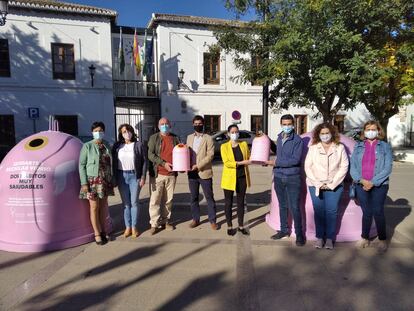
(260, 149)
(181, 158)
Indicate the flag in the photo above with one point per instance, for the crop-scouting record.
(143, 52)
(148, 59)
(121, 56)
(137, 57)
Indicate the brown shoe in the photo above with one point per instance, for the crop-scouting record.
(169, 227)
(194, 224)
(135, 233)
(127, 232)
(214, 226)
(154, 230)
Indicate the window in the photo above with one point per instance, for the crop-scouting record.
(339, 122)
(4, 58)
(212, 123)
(301, 123)
(256, 122)
(211, 68)
(63, 61)
(7, 138)
(68, 124)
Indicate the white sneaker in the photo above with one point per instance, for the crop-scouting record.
(329, 244)
(382, 246)
(363, 243)
(319, 243)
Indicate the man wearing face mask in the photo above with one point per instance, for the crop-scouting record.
(202, 153)
(287, 179)
(162, 177)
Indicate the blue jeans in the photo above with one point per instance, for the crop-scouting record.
(372, 204)
(325, 208)
(129, 189)
(288, 189)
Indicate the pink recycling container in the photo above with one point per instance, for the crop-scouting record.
(181, 158)
(260, 149)
(39, 205)
(349, 223)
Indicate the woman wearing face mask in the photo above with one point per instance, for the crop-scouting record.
(235, 177)
(95, 170)
(326, 166)
(371, 166)
(130, 167)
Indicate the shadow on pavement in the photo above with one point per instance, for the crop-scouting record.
(89, 298)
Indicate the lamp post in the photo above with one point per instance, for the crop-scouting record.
(92, 73)
(180, 77)
(3, 11)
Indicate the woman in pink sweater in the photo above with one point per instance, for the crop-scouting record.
(326, 166)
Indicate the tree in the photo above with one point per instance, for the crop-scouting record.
(319, 50)
(383, 77)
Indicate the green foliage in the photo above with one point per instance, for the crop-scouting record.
(328, 55)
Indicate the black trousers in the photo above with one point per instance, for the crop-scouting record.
(241, 186)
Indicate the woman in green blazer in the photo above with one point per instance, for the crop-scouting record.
(95, 170)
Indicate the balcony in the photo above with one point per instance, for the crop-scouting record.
(136, 88)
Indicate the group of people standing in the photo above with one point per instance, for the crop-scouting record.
(326, 166)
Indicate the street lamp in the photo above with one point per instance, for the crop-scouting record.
(3, 12)
(92, 73)
(180, 77)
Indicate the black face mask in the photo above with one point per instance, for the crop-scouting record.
(198, 128)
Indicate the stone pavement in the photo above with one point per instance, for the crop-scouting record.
(201, 269)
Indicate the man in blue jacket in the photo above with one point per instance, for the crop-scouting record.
(287, 179)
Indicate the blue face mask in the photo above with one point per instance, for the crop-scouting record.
(98, 135)
(287, 129)
(164, 128)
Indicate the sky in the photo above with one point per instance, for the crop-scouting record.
(137, 13)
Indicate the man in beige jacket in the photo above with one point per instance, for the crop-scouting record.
(202, 153)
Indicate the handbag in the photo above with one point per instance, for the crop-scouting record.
(352, 191)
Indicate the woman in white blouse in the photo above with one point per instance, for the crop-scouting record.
(130, 168)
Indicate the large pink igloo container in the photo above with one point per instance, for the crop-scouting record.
(39, 205)
(260, 149)
(181, 158)
(349, 223)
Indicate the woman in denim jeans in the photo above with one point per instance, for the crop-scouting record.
(371, 166)
(326, 166)
(130, 167)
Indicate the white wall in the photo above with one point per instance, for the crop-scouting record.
(31, 83)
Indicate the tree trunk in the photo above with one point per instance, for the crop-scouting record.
(384, 125)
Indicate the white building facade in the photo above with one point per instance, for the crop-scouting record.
(136, 92)
(47, 49)
(208, 89)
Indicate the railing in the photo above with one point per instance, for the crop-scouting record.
(136, 88)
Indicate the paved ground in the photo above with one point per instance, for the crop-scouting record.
(198, 269)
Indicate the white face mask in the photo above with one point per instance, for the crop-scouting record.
(371, 134)
(127, 135)
(98, 135)
(325, 138)
(234, 136)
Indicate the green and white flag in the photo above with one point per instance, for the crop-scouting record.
(121, 56)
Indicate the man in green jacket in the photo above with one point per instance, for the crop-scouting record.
(162, 177)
